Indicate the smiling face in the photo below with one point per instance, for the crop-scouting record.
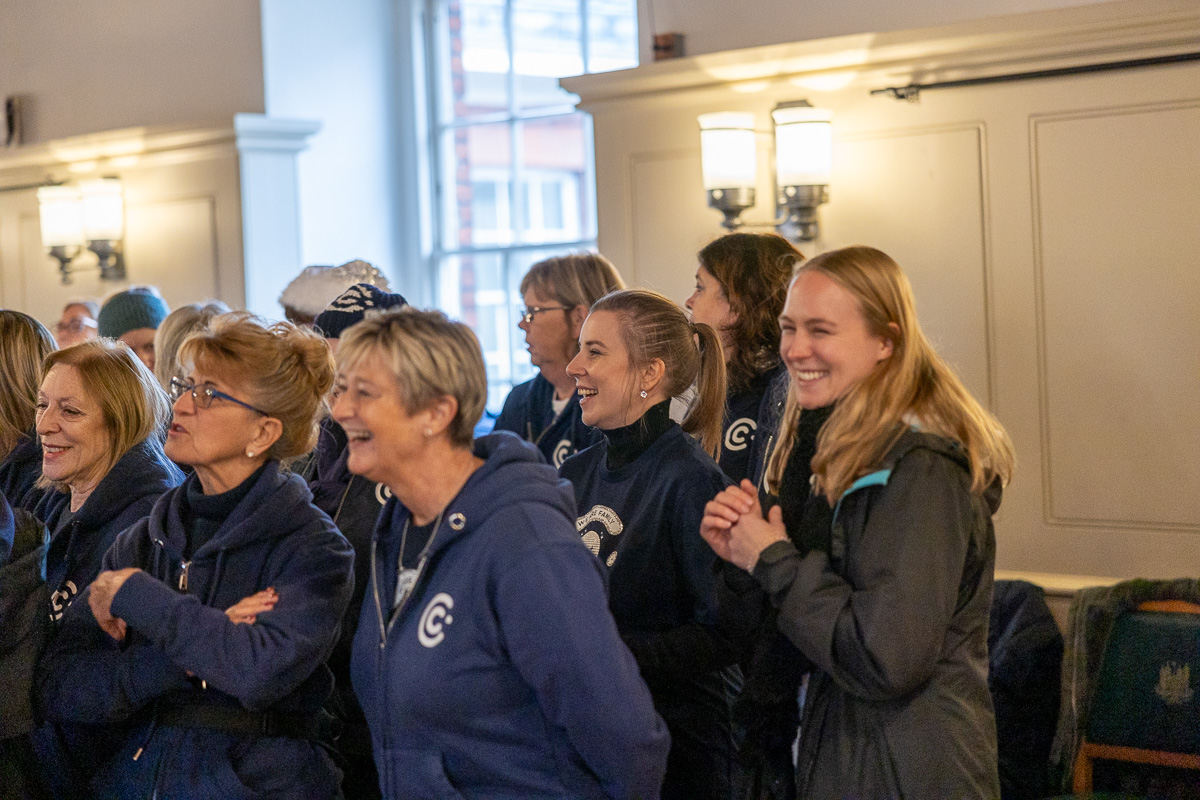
(383, 437)
(214, 440)
(609, 396)
(825, 341)
(70, 424)
(708, 304)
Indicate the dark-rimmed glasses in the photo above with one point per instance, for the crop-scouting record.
(204, 394)
(527, 316)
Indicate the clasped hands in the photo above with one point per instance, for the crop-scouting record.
(734, 527)
(109, 582)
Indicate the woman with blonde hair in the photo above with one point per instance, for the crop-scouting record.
(24, 343)
(477, 573)
(177, 326)
(882, 573)
(203, 642)
(641, 492)
(557, 293)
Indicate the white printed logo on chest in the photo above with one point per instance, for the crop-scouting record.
(599, 528)
(739, 433)
(431, 630)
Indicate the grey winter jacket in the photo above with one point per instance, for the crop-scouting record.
(895, 619)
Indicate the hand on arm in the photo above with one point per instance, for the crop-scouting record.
(104, 589)
(246, 610)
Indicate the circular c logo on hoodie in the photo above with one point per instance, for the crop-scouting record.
(562, 451)
(434, 618)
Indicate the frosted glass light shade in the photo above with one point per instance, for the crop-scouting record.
(61, 215)
(727, 150)
(103, 209)
(803, 146)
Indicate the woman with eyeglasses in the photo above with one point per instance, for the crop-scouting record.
(557, 293)
(203, 642)
(26, 343)
(77, 323)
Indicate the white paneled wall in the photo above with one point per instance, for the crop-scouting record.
(1050, 228)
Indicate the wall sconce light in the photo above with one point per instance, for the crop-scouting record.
(92, 213)
(803, 164)
(729, 161)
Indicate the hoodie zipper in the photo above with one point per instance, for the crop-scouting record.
(184, 566)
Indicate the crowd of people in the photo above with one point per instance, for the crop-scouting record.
(735, 549)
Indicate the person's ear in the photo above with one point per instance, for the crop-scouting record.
(441, 413)
(887, 343)
(576, 317)
(652, 376)
(265, 435)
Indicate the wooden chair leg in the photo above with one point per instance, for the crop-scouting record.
(1083, 771)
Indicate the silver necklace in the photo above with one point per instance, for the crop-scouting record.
(406, 577)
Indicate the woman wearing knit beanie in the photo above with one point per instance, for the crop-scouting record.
(132, 316)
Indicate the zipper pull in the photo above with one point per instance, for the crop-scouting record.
(183, 575)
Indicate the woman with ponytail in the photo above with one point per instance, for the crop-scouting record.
(881, 571)
(640, 494)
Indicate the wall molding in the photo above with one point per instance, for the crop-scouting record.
(980, 48)
(1042, 327)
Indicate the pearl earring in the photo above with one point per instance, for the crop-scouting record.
(644, 394)
(249, 454)
(428, 432)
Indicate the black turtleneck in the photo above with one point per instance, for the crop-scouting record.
(627, 443)
(203, 514)
(807, 517)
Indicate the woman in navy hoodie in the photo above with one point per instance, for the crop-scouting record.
(485, 659)
(641, 493)
(100, 416)
(204, 641)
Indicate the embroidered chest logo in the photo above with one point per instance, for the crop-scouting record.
(382, 493)
(562, 451)
(739, 433)
(61, 599)
(1174, 683)
(431, 630)
(599, 529)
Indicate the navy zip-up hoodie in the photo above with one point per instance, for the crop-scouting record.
(503, 675)
(123, 497)
(274, 537)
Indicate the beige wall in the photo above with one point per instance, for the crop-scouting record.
(1050, 229)
(87, 67)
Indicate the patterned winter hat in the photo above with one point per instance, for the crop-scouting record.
(317, 286)
(352, 305)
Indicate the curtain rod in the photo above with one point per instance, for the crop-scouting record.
(913, 90)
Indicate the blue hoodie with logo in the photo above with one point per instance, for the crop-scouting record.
(501, 675)
(175, 611)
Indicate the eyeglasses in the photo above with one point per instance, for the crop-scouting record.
(75, 326)
(204, 394)
(527, 317)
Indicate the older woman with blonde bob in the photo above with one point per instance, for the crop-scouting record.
(884, 580)
(24, 344)
(206, 635)
(484, 657)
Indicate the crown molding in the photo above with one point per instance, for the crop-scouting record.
(1079, 35)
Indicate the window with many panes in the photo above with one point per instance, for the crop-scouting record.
(513, 172)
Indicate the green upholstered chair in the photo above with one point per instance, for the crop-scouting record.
(1146, 704)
